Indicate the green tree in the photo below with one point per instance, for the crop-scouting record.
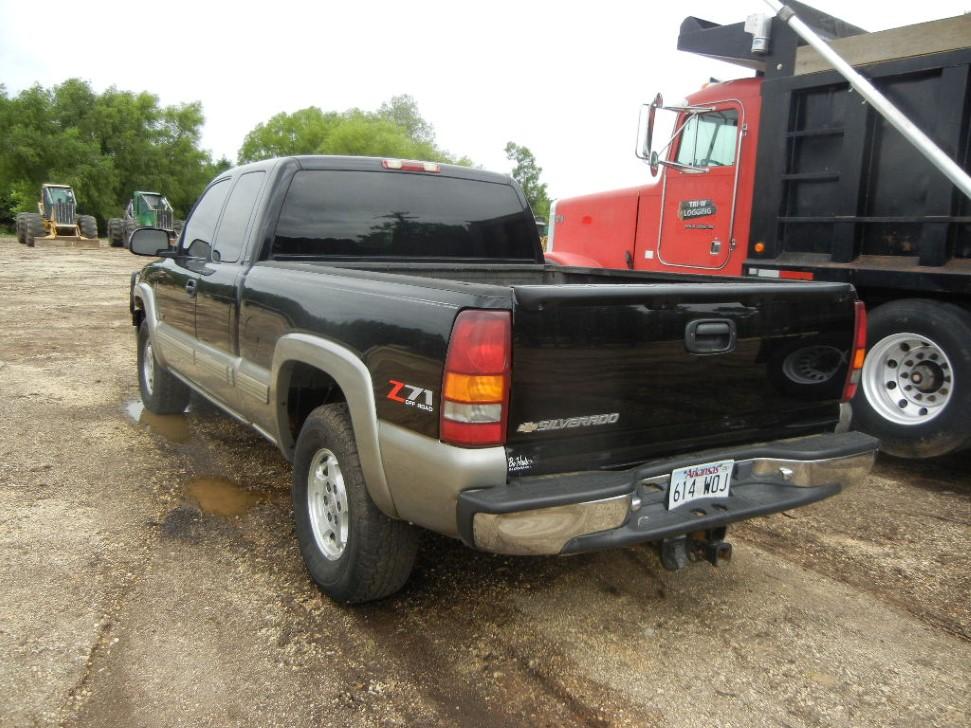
(527, 174)
(104, 145)
(396, 129)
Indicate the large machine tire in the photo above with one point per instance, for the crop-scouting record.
(88, 226)
(127, 228)
(33, 228)
(115, 233)
(21, 231)
(915, 390)
(162, 393)
(352, 550)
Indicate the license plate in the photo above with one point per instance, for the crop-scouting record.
(696, 482)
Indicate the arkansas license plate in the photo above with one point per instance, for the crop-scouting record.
(710, 480)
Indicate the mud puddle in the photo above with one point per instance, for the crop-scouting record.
(220, 496)
(174, 428)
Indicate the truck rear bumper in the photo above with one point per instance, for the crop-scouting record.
(589, 511)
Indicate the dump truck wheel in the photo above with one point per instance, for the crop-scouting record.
(915, 390)
(88, 226)
(33, 228)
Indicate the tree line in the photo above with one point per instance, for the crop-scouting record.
(106, 145)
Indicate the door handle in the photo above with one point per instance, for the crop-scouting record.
(190, 286)
(710, 336)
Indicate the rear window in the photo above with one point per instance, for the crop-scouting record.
(400, 215)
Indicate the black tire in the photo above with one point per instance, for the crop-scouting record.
(127, 228)
(945, 383)
(21, 231)
(114, 232)
(379, 552)
(165, 394)
(88, 226)
(33, 228)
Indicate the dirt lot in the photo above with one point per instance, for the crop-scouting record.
(150, 577)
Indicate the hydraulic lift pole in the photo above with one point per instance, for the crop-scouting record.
(891, 113)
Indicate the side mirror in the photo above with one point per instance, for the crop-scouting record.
(645, 132)
(149, 241)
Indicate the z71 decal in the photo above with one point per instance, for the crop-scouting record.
(411, 396)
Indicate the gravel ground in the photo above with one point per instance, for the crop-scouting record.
(151, 578)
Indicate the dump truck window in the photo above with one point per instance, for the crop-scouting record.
(709, 139)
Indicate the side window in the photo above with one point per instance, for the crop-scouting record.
(709, 139)
(201, 226)
(239, 211)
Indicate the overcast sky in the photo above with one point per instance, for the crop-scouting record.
(564, 79)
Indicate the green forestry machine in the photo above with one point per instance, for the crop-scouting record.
(56, 221)
(145, 209)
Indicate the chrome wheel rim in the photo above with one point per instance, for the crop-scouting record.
(327, 504)
(907, 379)
(813, 364)
(148, 367)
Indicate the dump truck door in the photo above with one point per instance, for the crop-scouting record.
(698, 203)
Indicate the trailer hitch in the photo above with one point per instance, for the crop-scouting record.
(707, 546)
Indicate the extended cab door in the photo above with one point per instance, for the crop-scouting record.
(698, 195)
(216, 301)
(177, 281)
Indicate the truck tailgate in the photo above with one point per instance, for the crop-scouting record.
(605, 375)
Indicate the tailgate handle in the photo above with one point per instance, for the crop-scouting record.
(710, 336)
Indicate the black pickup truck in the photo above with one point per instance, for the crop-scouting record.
(392, 328)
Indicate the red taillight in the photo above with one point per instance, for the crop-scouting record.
(857, 353)
(409, 165)
(475, 388)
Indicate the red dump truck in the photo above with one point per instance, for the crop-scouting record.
(793, 174)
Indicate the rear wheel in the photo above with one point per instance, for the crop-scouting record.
(33, 228)
(162, 393)
(352, 550)
(21, 237)
(115, 234)
(127, 228)
(88, 226)
(915, 391)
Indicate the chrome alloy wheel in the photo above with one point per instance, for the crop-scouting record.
(327, 504)
(907, 379)
(148, 367)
